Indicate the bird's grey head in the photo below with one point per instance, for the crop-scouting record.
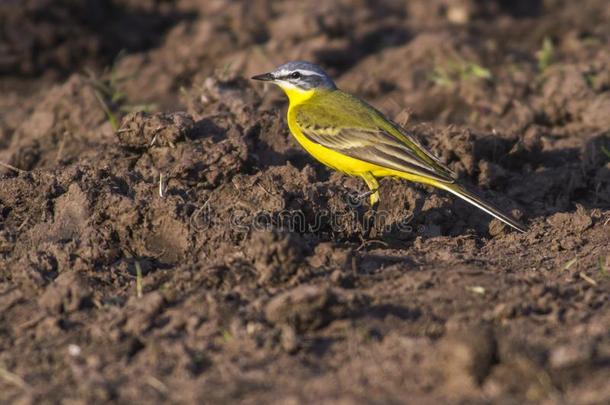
(299, 74)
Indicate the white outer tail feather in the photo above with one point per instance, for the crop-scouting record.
(478, 202)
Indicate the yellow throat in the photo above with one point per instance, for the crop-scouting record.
(296, 95)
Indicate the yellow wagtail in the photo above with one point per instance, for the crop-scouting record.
(348, 135)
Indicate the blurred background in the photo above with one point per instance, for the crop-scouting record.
(401, 54)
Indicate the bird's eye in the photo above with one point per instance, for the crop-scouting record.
(295, 75)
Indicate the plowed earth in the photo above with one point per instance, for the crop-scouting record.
(163, 238)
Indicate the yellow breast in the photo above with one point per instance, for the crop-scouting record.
(328, 157)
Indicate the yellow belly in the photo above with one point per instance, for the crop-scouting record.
(346, 164)
(329, 157)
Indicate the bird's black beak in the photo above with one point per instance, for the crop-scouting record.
(265, 77)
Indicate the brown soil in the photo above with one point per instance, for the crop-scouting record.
(263, 278)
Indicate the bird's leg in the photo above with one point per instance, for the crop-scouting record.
(371, 182)
(373, 194)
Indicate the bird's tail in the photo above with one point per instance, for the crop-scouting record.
(482, 204)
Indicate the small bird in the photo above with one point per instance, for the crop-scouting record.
(350, 136)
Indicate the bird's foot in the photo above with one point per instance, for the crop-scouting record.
(373, 197)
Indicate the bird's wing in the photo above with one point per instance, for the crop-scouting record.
(353, 128)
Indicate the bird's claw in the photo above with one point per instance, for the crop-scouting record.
(374, 197)
(356, 199)
(365, 194)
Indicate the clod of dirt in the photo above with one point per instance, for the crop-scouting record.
(289, 339)
(327, 254)
(141, 312)
(167, 238)
(468, 357)
(459, 145)
(529, 147)
(229, 93)
(310, 307)
(68, 293)
(496, 227)
(572, 223)
(142, 130)
(276, 255)
(67, 123)
(342, 262)
(71, 213)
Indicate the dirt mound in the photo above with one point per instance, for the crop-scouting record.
(163, 237)
(55, 37)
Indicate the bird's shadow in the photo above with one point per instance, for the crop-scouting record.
(536, 184)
